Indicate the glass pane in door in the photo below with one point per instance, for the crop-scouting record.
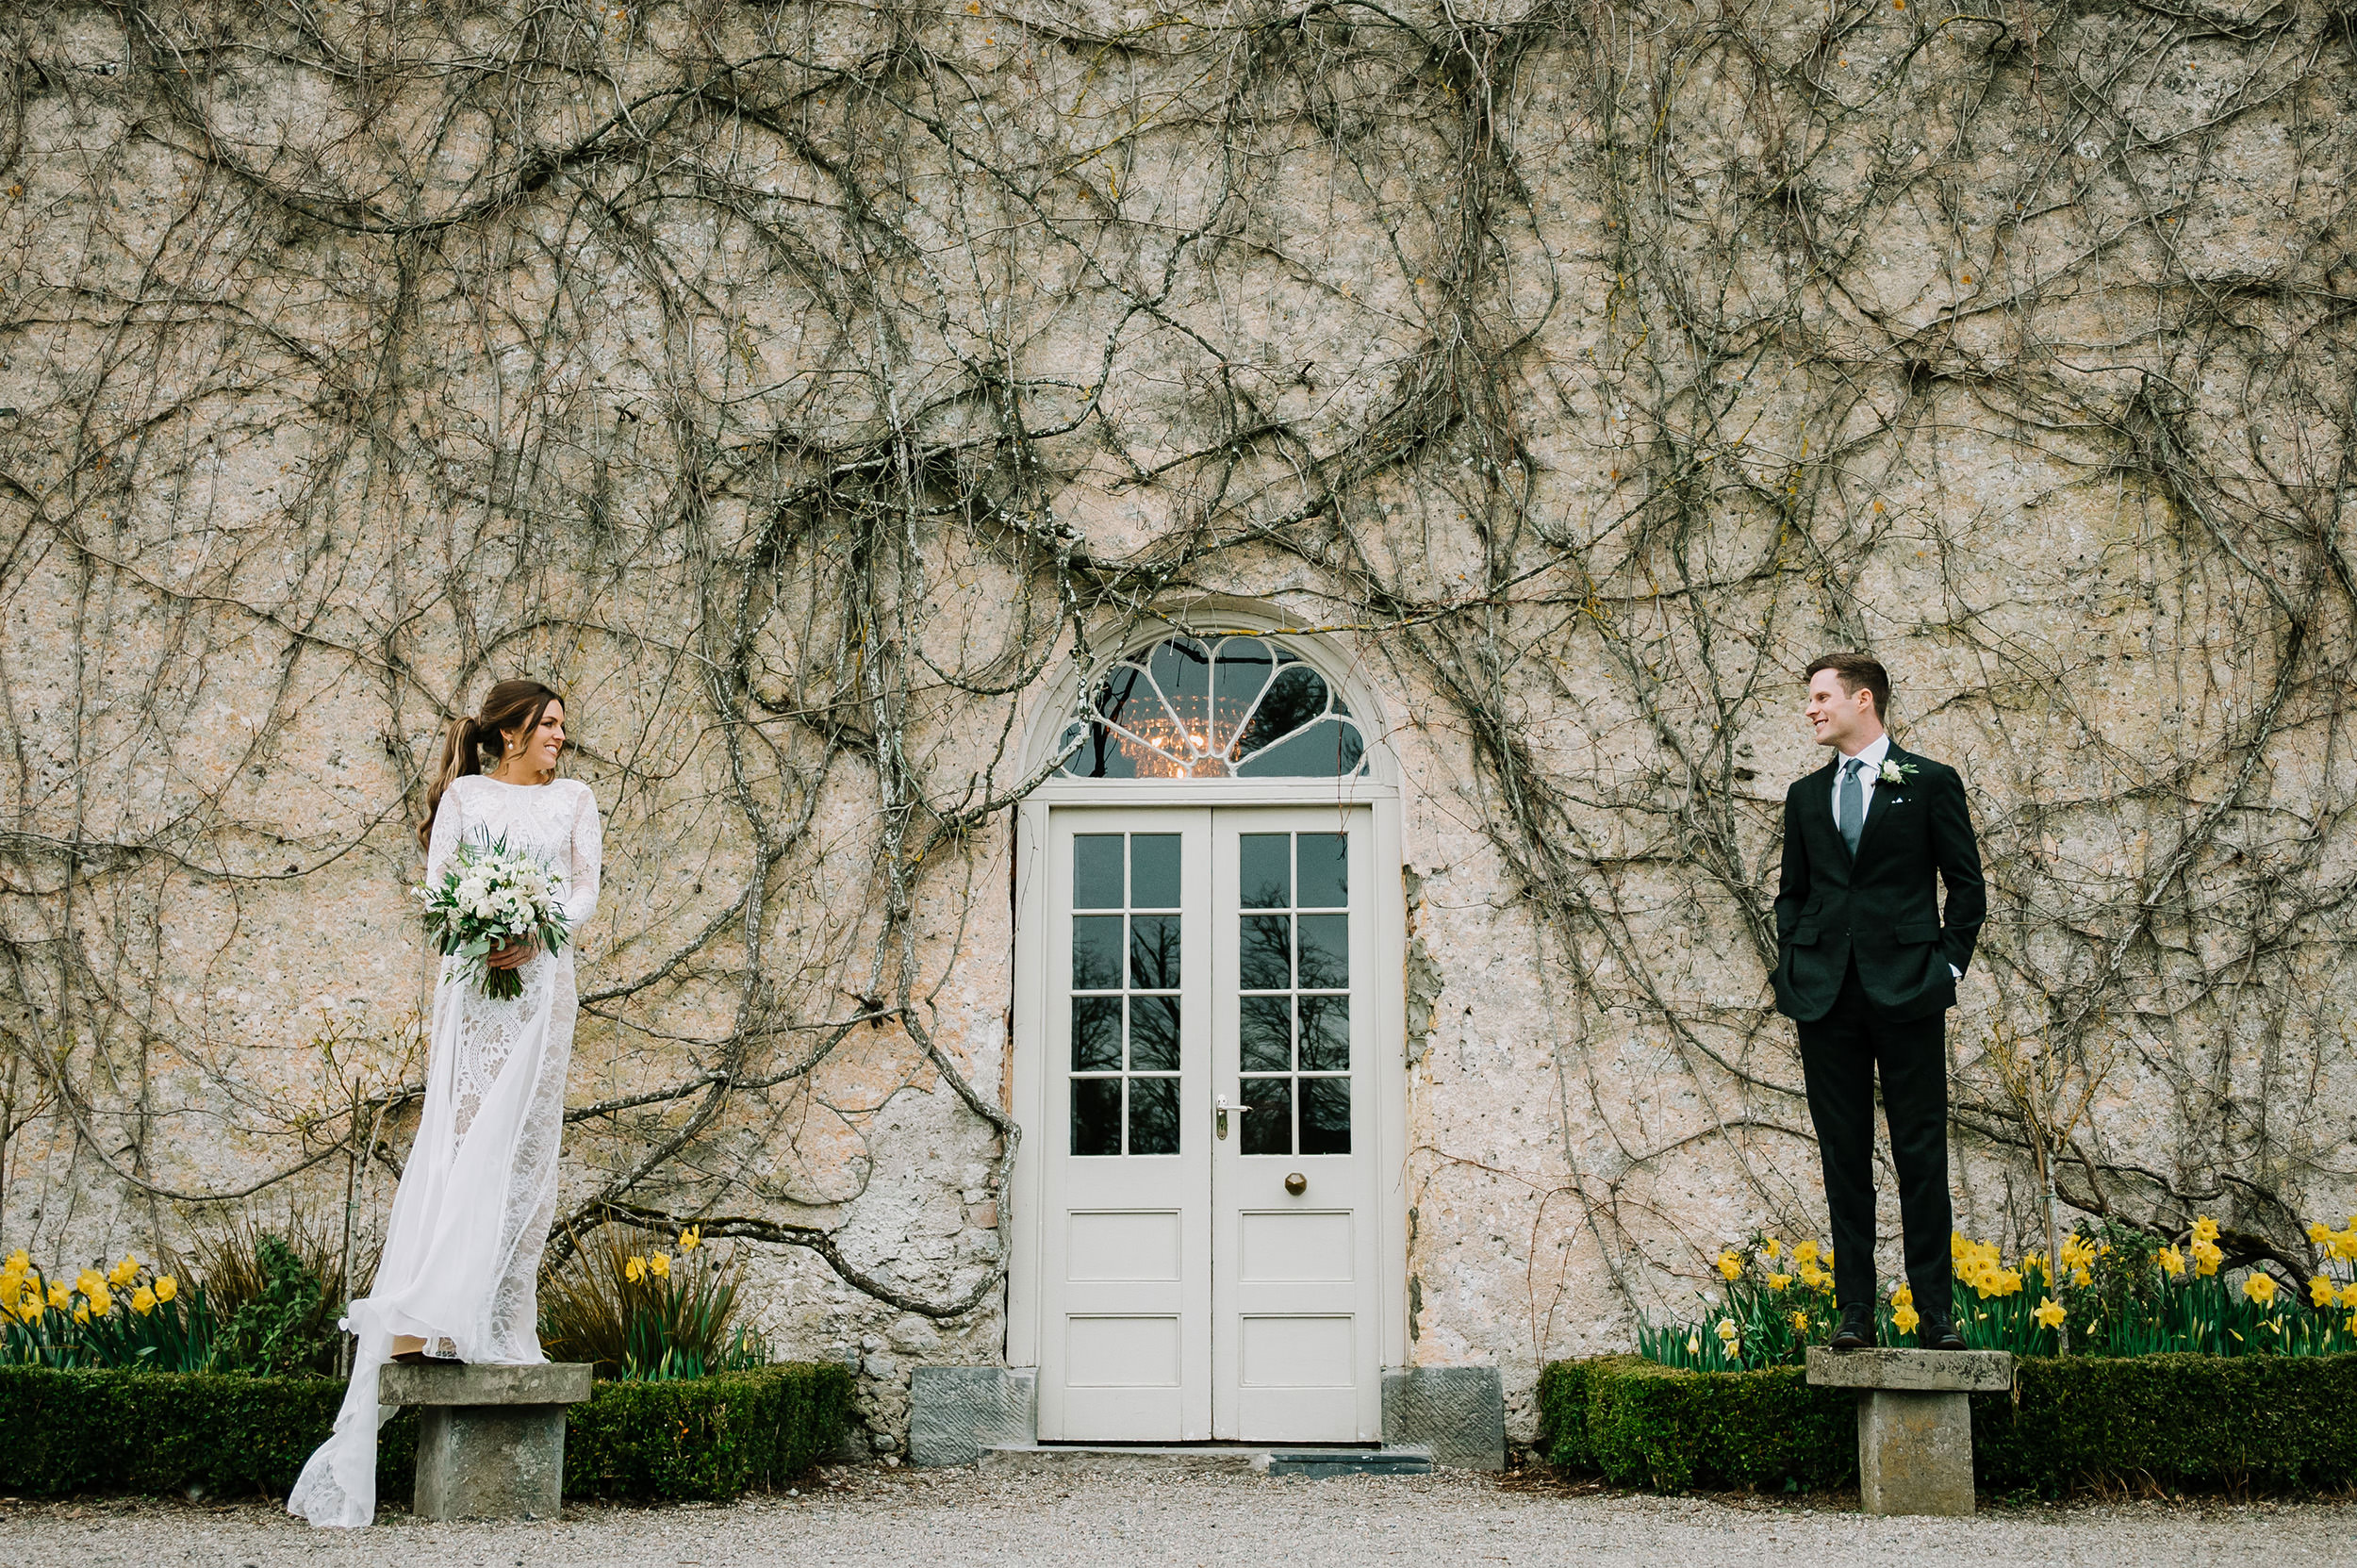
(1293, 951)
(1125, 967)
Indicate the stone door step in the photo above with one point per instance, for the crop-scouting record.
(1207, 1459)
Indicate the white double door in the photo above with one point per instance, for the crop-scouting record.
(1209, 1266)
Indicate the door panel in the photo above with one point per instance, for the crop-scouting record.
(1126, 1266)
(1294, 1294)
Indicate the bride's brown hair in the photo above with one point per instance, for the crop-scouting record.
(508, 705)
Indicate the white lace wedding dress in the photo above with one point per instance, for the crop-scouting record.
(462, 1247)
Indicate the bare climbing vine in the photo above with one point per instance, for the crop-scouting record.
(805, 390)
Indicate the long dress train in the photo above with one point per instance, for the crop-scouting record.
(472, 1214)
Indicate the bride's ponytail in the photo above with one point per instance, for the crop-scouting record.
(461, 745)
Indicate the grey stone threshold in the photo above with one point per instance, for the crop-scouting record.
(1313, 1461)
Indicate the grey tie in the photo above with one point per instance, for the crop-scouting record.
(1849, 804)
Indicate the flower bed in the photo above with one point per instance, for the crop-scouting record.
(104, 1429)
(2114, 1292)
(2177, 1420)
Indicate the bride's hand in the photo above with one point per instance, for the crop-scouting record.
(512, 954)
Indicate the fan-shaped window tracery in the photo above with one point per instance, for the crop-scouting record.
(1215, 707)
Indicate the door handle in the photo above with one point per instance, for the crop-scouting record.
(1219, 1115)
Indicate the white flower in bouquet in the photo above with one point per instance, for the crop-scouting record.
(488, 897)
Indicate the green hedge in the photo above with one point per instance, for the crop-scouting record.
(157, 1432)
(208, 1433)
(2184, 1422)
(706, 1437)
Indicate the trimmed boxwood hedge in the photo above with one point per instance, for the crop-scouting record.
(706, 1437)
(2177, 1420)
(229, 1435)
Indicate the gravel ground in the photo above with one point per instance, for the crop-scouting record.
(869, 1516)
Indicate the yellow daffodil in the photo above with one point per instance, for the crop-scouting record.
(693, 1237)
(1800, 1320)
(2080, 1276)
(1728, 1332)
(1770, 1249)
(1826, 1257)
(2049, 1314)
(1812, 1276)
(1905, 1317)
(143, 1301)
(2344, 1244)
(60, 1297)
(102, 1300)
(1730, 1266)
(81, 1314)
(2172, 1261)
(88, 1280)
(1693, 1345)
(2318, 1233)
(634, 1270)
(29, 1308)
(2260, 1287)
(2206, 1257)
(659, 1265)
(1777, 1282)
(18, 1261)
(2077, 1253)
(2204, 1228)
(166, 1287)
(2320, 1290)
(124, 1272)
(1805, 1254)
(1957, 1246)
(2348, 1294)
(1904, 1295)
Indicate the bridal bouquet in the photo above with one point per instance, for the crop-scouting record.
(490, 895)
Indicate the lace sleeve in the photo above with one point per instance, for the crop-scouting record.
(580, 881)
(448, 829)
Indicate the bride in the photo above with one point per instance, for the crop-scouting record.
(462, 1247)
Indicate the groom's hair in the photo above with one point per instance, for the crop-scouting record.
(1855, 670)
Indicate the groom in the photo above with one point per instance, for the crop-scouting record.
(1866, 968)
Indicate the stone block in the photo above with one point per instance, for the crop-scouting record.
(491, 1438)
(956, 1412)
(490, 1461)
(1914, 1452)
(1923, 1371)
(1320, 1464)
(1454, 1413)
(1914, 1421)
(455, 1383)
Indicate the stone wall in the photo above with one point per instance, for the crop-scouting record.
(805, 390)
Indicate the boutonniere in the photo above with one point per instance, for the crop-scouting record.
(1897, 772)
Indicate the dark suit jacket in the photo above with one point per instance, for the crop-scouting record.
(1880, 906)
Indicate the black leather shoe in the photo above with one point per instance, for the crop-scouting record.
(1939, 1334)
(1857, 1330)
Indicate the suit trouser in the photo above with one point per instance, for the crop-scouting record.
(1840, 1055)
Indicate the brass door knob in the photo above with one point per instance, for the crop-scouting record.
(1296, 1183)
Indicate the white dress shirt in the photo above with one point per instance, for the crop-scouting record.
(1871, 755)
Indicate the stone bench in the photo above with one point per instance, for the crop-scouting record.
(491, 1438)
(1914, 1423)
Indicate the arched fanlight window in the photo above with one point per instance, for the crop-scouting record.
(1212, 707)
